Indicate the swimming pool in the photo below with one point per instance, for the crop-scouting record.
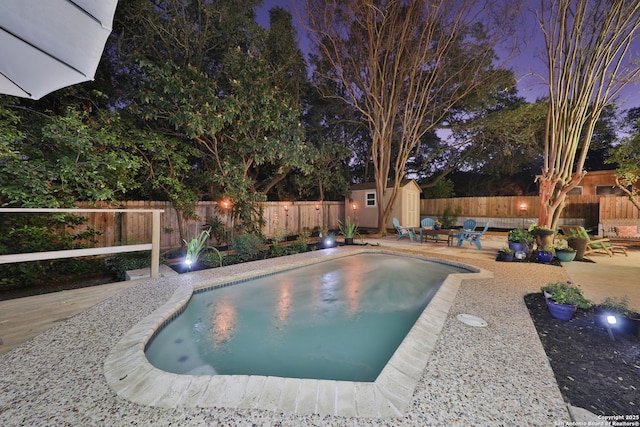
(336, 320)
(130, 375)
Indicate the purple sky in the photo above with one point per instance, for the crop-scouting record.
(525, 65)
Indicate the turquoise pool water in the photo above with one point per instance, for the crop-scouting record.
(341, 319)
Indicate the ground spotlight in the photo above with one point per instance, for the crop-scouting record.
(329, 242)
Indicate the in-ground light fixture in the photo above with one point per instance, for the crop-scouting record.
(329, 241)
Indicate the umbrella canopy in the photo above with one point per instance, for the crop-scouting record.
(47, 45)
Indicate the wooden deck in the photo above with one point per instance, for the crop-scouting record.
(23, 318)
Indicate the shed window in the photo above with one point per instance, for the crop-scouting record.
(575, 191)
(370, 199)
(602, 190)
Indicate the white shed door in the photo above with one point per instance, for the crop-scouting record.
(412, 209)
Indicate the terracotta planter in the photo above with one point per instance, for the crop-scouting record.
(561, 311)
(579, 244)
(544, 238)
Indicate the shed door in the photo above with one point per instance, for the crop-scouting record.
(412, 209)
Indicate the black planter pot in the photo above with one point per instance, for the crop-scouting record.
(348, 240)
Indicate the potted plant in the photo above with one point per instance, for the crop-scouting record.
(545, 255)
(519, 239)
(563, 299)
(614, 313)
(564, 252)
(437, 225)
(506, 254)
(543, 235)
(577, 242)
(348, 229)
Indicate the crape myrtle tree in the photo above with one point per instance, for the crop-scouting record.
(588, 49)
(403, 65)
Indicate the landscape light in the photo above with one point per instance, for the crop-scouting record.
(611, 322)
(328, 242)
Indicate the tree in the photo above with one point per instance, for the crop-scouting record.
(403, 65)
(626, 156)
(60, 159)
(586, 45)
(221, 90)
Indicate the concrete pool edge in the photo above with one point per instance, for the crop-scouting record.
(132, 377)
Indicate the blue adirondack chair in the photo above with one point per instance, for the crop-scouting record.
(472, 236)
(426, 223)
(403, 231)
(469, 225)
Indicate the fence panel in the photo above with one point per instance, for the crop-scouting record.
(131, 227)
(510, 207)
(612, 207)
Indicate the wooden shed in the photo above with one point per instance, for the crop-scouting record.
(362, 206)
(598, 183)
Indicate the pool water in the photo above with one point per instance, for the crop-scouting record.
(341, 319)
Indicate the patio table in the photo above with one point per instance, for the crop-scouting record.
(450, 233)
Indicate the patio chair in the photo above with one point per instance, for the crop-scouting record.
(426, 223)
(471, 236)
(594, 246)
(469, 225)
(403, 231)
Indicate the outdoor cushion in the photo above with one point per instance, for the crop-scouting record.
(627, 231)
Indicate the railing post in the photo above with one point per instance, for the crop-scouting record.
(155, 245)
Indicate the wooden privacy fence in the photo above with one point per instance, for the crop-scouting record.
(617, 208)
(132, 228)
(509, 207)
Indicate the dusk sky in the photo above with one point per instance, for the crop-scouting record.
(525, 65)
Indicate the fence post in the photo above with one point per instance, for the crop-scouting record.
(155, 245)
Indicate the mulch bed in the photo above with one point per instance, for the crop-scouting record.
(592, 371)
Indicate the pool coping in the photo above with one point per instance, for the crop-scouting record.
(132, 377)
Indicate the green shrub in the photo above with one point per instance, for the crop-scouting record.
(450, 216)
(299, 246)
(24, 233)
(211, 259)
(278, 249)
(219, 230)
(121, 263)
(248, 247)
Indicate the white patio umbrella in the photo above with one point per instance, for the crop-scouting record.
(46, 45)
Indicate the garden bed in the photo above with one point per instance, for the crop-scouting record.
(592, 371)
